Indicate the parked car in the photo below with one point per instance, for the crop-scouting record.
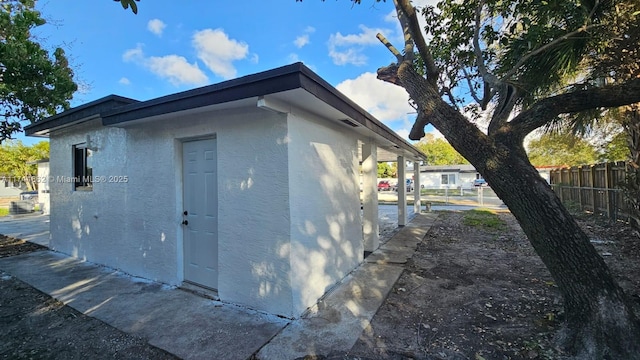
(384, 185)
(480, 182)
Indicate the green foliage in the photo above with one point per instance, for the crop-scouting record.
(539, 47)
(439, 151)
(483, 219)
(33, 84)
(14, 156)
(385, 170)
(4, 212)
(129, 3)
(561, 149)
(616, 150)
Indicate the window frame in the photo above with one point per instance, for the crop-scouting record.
(447, 179)
(82, 169)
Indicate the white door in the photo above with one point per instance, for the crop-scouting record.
(200, 196)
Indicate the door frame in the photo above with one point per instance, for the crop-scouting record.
(180, 203)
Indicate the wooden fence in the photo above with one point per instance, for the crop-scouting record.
(593, 187)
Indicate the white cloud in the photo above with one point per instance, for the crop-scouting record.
(218, 51)
(172, 67)
(348, 56)
(177, 70)
(134, 54)
(403, 133)
(347, 49)
(385, 101)
(156, 26)
(124, 81)
(294, 58)
(301, 41)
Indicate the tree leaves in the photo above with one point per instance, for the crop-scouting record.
(126, 3)
(559, 149)
(33, 84)
(14, 156)
(439, 151)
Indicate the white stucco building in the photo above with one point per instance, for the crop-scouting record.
(448, 176)
(459, 176)
(249, 187)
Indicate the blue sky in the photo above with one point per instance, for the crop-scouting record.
(171, 46)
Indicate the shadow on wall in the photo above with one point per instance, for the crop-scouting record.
(80, 229)
(327, 239)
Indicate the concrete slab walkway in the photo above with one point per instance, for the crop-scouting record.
(336, 323)
(33, 228)
(193, 327)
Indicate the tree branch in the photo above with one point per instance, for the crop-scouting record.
(390, 46)
(474, 95)
(408, 39)
(545, 110)
(507, 100)
(545, 47)
(482, 69)
(405, 9)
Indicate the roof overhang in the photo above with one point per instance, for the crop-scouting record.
(77, 115)
(277, 89)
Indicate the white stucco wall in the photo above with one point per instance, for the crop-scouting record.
(91, 225)
(43, 187)
(289, 213)
(326, 230)
(134, 226)
(254, 212)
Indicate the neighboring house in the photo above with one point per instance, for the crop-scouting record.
(42, 180)
(457, 176)
(448, 176)
(249, 187)
(11, 187)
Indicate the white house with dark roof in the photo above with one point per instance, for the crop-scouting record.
(249, 187)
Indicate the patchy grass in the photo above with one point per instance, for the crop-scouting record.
(4, 211)
(485, 219)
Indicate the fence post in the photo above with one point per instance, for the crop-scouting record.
(607, 186)
(580, 188)
(594, 192)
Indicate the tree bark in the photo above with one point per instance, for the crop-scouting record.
(600, 322)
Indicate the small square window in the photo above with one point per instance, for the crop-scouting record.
(82, 169)
(448, 179)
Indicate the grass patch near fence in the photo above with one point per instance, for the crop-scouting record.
(4, 211)
(486, 219)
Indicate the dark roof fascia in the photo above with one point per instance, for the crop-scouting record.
(264, 83)
(330, 95)
(115, 109)
(78, 114)
(441, 170)
(273, 81)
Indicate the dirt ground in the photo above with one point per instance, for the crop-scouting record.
(35, 326)
(470, 292)
(475, 292)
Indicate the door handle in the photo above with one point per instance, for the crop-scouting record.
(185, 213)
(185, 222)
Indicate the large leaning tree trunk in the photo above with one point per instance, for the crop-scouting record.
(631, 185)
(600, 322)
